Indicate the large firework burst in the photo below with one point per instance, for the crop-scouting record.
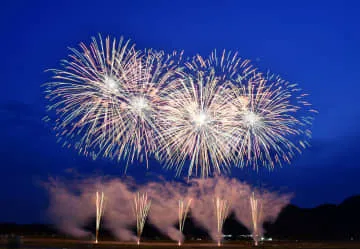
(113, 101)
(197, 125)
(274, 120)
(106, 98)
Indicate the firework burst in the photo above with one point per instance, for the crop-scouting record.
(139, 133)
(270, 133)
(197, 124)
(113, 101)
(106, 98)
(85, 94)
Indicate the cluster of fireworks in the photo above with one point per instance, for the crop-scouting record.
(165, 205)
(207, 114)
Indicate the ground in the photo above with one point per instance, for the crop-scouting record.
(69, 244)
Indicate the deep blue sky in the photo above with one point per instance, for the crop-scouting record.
(313, 44)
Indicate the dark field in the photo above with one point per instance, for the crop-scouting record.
(68, 244)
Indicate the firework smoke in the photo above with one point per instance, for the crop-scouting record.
(163, 215)
(70, 206)
(119, 209)
(69, 210)
(254, 207)
(202, 191)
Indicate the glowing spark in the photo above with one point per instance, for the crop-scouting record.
(221, 211)
(110, 83)
(99, 213)
(256, 215)
(183, 212)
(139, 104)
(251, 119)
(200, 119)
(141, 209)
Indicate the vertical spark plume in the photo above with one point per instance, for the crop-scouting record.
(183, 212)
(221, 210)
(142, 207)
(256, 215)
(99, 212)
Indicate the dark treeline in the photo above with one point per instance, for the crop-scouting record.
(325, 222)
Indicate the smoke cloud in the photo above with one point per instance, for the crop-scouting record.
(72, 205)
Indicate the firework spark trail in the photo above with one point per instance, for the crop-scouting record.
(197, 126)
(183, 212)
(272, 115)
(141, 102)
(106, 98)
(256, 215)
(228, 67)
(270, 133)
(199, 122)
(99, 212)
(221, 211)
(141, 209)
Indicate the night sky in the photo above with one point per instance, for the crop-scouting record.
(313, 44)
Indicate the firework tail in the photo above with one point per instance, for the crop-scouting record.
(221, 210)
(99, 212)
(183, 212)
(142, 207)
(256, 215)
